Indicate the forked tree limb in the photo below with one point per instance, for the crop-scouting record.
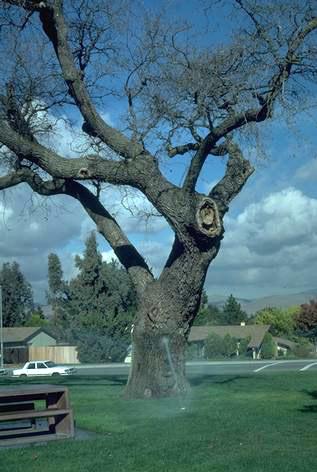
(106, 224)
(238, 171)
(251, 115)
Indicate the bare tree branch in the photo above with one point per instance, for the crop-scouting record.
(237, 173)
(106, 224)
(54, 26)
(236, 121)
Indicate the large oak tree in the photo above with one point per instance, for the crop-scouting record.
(186, 98)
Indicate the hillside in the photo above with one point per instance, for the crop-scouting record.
(280, 301)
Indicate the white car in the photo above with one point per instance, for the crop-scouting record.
(36, 368)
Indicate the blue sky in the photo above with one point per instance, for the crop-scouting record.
(270, 243)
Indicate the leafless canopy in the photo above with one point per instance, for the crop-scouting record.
(180, 95)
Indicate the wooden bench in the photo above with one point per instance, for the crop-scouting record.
(21, 421)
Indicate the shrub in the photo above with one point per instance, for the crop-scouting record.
(216, 346)
(268, 348)
(193, 352)
(95, 346)
(213, 346)
(303, 349)
(243, 346)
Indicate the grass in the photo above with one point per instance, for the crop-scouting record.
(253, 423)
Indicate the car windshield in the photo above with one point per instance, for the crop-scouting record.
(50, 364)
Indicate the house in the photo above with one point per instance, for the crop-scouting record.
(284, 345)
(17, 341)
(256, 333)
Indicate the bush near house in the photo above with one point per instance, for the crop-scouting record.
(268, 348)
(303, 348)
(213, 346)
(216, 346)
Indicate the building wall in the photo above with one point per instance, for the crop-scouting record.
(58, 354)
(42, 339)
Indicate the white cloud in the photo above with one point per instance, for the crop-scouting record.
(108, 256)
(282, 219)
(308, 172)
(5, 212)
(271, 245)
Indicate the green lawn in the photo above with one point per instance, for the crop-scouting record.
(266, 423)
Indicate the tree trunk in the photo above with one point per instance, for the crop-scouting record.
(158, 366)
(160, 332)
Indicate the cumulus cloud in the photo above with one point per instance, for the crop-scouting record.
(282, 219)
(28, 226)
(271, 245)
(32, 227)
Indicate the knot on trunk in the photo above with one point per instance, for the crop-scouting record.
(84, 173)
(207, 216)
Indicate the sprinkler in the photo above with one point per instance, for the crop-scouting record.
(170, 361)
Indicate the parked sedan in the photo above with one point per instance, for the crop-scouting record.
(37, 368)
(3, 372)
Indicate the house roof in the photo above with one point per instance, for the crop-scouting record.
(23, 334)
(255, 332)
(285, 342)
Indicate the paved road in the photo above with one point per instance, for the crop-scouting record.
(212, 368)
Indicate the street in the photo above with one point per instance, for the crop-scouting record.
(211, 367)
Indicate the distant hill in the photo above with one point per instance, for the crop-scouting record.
(279, 301)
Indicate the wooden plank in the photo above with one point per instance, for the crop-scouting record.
(22, 431)
(21, 415)
(16, 406)
(35, 438)
(20, 390)
(64, 424)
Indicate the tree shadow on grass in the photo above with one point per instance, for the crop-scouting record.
(311, 408)
(71, 381)
(215, 379)
(102, 380)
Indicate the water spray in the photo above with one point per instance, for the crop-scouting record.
(170, 361)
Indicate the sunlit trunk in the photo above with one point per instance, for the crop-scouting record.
(161, 328)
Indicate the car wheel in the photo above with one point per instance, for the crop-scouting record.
(55, 374)
(23, 375)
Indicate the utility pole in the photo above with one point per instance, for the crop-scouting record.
(1, 329)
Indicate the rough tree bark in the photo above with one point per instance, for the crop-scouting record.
(167, 305)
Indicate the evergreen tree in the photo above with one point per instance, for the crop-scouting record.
(97, 306)
(232, 312)
(55, 274)
(209, 315)
(57, 291)
(17, 296)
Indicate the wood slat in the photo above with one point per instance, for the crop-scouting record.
(32, 439)
(16, 406)
(22, 431)
(36, 389)
(21, 415)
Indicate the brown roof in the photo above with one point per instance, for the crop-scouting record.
(255, 332)
(285, 342)
(18, 335)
